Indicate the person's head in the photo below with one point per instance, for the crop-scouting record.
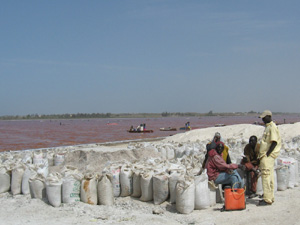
(266, 116)
(253, 141)
(219, 147)
(217, 137)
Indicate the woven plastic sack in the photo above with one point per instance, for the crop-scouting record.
(290, 162)
(185, 195)
(126, 181)
(37, 187)
(71, 186)
(136, 184)
(29, 172)
(16, 179)
(88, 192)
(202, 193)
(282, 173)
(59, 159)
(5, 178)
(105, 191)
(53, 189)
(39, 158)
(175, 175)
(160, 188)
(114, 172)
(147, 186)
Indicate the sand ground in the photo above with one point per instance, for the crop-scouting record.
(21, 209)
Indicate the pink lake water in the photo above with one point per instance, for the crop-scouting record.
(33, 134)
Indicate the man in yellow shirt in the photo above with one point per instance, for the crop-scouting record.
(269, 150)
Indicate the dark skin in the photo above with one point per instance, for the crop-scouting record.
(220, 149)
(217, 138)
(252, 142)
(268, 119)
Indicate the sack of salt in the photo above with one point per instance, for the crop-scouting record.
(88, 192)
(136, 184)
(71, 185)
(147, 186)
(53, 189)
(29, 172)
(16, 179)
(5, 179)
(202, 193)
(105, 190)
(175, 175)
(160, 188)
(185, 195)
(37, 187)
(126, 180)
(114, 172)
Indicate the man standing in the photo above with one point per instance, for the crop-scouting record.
(269, 150)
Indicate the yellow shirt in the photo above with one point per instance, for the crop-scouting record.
(225, 153)
(271, 133)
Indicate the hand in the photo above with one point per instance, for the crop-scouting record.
(245, 159)
(229, 171)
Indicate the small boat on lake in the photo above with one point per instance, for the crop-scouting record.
(139, 131)
(168, 129)
(185, 128)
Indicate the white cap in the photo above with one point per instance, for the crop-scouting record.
(265, 113)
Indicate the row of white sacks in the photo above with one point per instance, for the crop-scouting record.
(286, 175)
(154, 180)
(136, 180)
(46, 157)
(169, 150)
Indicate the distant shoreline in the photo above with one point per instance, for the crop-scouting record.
(70, 116)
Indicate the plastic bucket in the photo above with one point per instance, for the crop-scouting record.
(234, 198)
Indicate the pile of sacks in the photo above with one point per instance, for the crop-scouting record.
(152, 180)
(286, 175)
(173, 178)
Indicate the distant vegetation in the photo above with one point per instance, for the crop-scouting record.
(126, 115)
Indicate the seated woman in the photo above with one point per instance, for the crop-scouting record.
(219, 171)
(212, 145)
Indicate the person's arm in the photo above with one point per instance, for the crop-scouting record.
(205, 159)
(246, 154)
(273, 145)
(222, 165)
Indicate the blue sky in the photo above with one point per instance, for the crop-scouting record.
(70, 56)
